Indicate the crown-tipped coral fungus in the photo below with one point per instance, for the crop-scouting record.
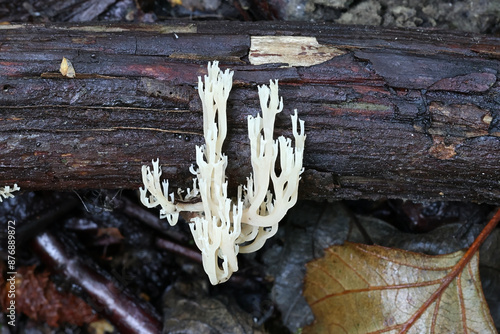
(222, 227)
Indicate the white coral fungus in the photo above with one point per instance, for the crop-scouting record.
(7, 191)
(222, 227)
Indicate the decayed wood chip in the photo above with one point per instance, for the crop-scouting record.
(67, 68)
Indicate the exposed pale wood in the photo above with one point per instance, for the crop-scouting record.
(389, 113)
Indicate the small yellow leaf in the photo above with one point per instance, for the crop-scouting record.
(67, 68)
(371, 289)
(101, 327)
(175, 2)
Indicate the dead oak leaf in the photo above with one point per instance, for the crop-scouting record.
(358, 288)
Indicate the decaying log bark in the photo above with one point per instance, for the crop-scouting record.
(389, 113)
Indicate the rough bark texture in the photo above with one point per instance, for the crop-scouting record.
(411, 114)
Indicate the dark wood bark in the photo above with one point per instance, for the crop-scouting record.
(411, 114)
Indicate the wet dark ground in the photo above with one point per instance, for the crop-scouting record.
(481, 16)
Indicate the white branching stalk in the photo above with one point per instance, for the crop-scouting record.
(225, 227)
(6, 192)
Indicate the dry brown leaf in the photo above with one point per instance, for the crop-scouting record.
(357, 288)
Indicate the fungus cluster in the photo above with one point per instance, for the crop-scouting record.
(223, 227)
(6, 192)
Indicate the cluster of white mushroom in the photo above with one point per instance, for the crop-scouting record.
(222, 227)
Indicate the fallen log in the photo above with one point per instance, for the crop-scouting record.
(390, 113)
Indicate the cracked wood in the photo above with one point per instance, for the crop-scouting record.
(393, 113)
